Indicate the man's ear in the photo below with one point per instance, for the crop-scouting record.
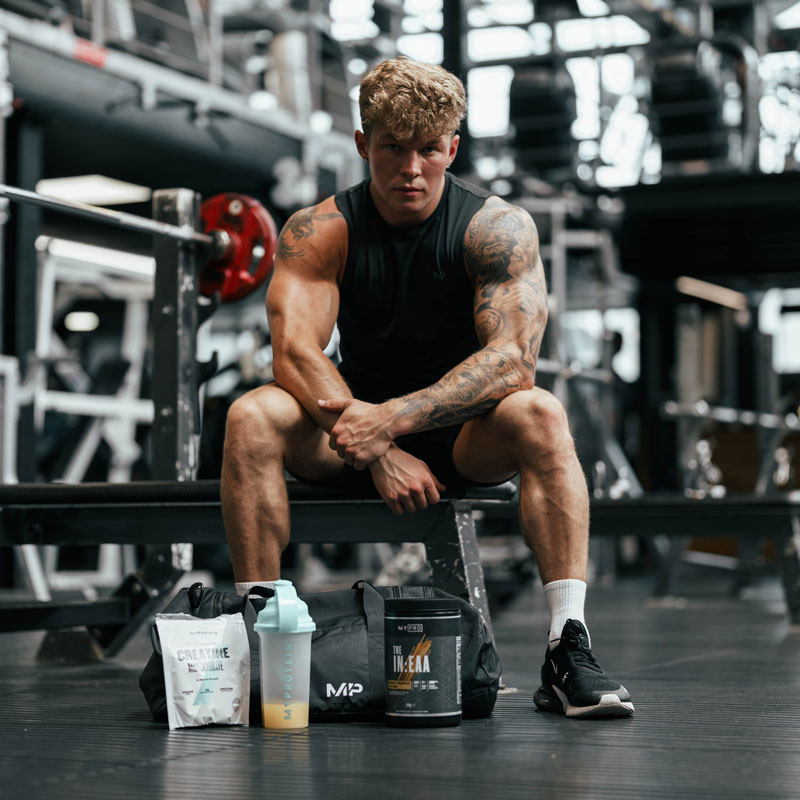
(451, 156)
(362, 145)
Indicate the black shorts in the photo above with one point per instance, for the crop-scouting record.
(434, 447)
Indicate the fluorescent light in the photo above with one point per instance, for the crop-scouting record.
(600, 32)
(487, 96)
(131, 264)
(593, 8)
(711, 292)
(485, 44)
(81, 321)
(422, 47)
(788, 19)
(354, 30)
(511, 12)
(320, 122)
(350, 10)
(96, 190)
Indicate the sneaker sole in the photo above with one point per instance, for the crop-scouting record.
(609, 706)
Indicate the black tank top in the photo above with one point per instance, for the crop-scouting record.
(406, 301)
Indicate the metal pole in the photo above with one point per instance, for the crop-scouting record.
(453, 37)
(176, 427)
(176, 430)
(118, 218)
(215, 43)
(6, 109)
(99, 22)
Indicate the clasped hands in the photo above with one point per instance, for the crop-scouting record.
(362, 433)
(363, 437)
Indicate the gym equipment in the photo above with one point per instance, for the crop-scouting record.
(541, 110)
(119, 218)
(748, 517)
(175, 506)
(247, 259)
(155, 512)
(688, 95)
(239, 232)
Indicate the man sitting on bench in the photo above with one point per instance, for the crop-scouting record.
(439, 293)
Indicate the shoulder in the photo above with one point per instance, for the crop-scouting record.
(312, 231)
(496, 212)
(321, 220)
(502, 231)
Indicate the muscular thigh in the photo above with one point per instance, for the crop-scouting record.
(487, 449)
(280, 421)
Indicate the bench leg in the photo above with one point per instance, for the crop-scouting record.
(789, 565)
(669, 570)
(146, 590)
(452, 548)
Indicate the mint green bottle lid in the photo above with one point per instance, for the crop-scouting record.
(285, 612)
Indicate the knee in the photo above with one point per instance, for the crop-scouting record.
(243, 417)
(539, 422)
(253, 425)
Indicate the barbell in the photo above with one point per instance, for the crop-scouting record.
(239, 237)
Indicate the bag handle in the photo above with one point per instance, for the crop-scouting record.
(373, 610)
(372, 600)
(154, 640)
(194, 594)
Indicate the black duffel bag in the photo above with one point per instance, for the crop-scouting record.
(347, 657)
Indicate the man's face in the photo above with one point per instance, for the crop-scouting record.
(407, 178)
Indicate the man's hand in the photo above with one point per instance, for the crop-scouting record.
(404, 482)
(361, 434)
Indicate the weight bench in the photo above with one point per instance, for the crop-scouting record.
(673, 520)
(157, 513)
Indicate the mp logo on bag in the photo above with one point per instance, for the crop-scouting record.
(343, 690)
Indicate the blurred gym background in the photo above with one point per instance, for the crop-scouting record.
(655, 142)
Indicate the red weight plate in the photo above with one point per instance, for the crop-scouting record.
(247, 262)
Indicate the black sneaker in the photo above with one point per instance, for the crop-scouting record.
(573, 683)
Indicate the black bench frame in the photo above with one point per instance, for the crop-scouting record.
(157, 513)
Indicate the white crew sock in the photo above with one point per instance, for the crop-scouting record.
(244, 588)
(566, 599)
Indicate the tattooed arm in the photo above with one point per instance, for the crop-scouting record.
(501, 249)
(502, 256)
(302, 305)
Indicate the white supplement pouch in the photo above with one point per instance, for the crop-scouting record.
(206, 669)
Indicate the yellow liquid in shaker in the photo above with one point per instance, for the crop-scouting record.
(284, 715)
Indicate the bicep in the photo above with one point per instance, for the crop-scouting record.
(502, 255)
(303, 296)
(302, 308)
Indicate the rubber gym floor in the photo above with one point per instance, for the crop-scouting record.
(715, 681)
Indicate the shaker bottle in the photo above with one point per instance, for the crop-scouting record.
(284, 628)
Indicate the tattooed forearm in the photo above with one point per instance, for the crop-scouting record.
(301, 226)
(470, 389)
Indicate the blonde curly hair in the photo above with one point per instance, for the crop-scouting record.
(411, 99)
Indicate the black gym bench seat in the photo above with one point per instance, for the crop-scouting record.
(159, 513)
